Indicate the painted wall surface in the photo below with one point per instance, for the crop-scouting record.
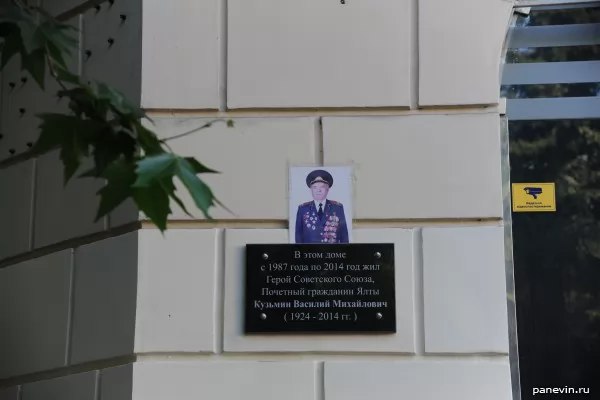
(408, 99)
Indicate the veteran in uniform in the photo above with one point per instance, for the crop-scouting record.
(321, 220)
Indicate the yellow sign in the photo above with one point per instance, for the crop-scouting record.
(533, 197)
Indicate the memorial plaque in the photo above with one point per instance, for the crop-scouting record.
(320, 288)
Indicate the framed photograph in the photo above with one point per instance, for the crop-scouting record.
(320, 204)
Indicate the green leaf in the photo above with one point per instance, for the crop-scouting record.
(169, 186)
(68, 133)
(6, 28)
(118, 101)
(154, 202)
(198, 167)
(13, 14)
(223, 206)
(65, 76)
(56, 55)
(149, 143)
(79, 93)
(35, 64)
(200, 192)
(90, 131)
(59, 36)
(103, 153)
(230, 123)
(33, 38)
(52, 131)
(49, 31)
(180, 203)
(110, 146)
(13, 44)
(67, 27)
(83, 102)
(120, 176)
(153, 168)
(56, 119)
(71, 154)
(90, 173)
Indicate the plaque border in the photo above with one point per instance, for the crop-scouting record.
(318, 247)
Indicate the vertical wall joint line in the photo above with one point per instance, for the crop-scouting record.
(71, 310)
(97, 391)
(223, 55)
(319, 142)
(33, 191)
(219, 292)
(418, 292)
(320, 381)
(414, 50)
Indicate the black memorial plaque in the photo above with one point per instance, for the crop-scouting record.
(320, 288)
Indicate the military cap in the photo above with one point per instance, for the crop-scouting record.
(319, 175)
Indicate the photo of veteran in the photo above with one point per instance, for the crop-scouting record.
(321, 220)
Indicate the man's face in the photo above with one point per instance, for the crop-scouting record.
(319, 191)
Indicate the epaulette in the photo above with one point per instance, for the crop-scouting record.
(305, 204)
(337, 203)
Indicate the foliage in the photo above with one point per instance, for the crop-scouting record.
(101, 127)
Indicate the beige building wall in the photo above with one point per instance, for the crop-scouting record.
(405, 91)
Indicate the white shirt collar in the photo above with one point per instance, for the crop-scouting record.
(316, 203)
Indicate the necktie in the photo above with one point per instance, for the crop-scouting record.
(320, 211)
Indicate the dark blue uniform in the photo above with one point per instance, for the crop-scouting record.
(332, 227)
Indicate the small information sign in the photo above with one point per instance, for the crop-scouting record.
(533, 197)
(320, 288)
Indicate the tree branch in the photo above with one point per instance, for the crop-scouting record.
(207, 125)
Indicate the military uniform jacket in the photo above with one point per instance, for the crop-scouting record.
(332, 228)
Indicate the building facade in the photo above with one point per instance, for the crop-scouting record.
(407, 92)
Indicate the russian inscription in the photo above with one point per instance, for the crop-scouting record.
(320, 288)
